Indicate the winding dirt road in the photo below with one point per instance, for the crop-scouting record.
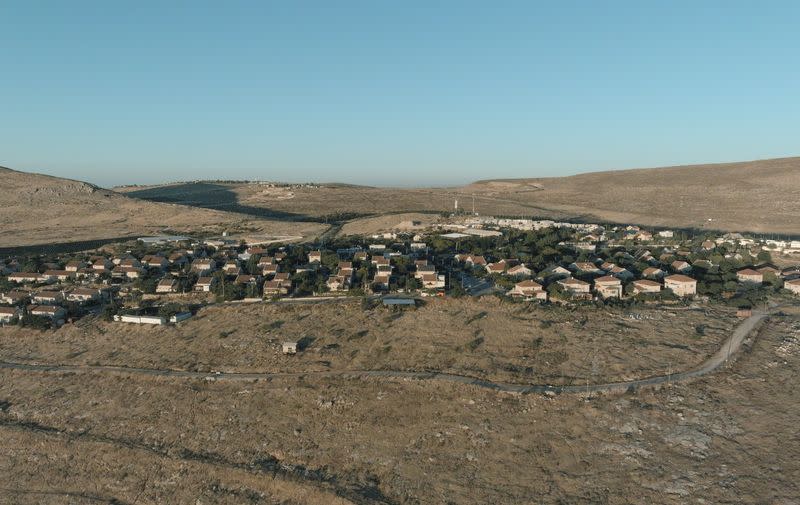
(728, 349)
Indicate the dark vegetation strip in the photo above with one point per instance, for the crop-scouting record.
(60, 247)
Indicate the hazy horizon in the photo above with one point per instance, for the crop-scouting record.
(406, 95)
(398, 184)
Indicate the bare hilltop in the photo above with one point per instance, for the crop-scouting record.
(754, 196)
(757, 196)
(40, 209)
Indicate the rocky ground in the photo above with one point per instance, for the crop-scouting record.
(728, 438)
(487, 337)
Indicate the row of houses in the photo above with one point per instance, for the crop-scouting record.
(606, 287)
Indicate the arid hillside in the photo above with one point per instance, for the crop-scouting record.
(39, 209)
(758, 196)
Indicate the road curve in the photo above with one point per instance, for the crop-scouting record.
(729, 347)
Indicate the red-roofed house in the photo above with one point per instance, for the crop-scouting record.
(644, 286)
(529, 289)
(750, 275)
(681, 285)
(608, 287)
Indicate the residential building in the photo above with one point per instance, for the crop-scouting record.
(769, 270)
(529, 289)
(793, 286)
(576, 288)
(585, 267)
(84, 295)
(433, 281)
(621, 273)
(178, 259)
(48, 297)
(50, 311)
(496, 268)
(22, 277)
(338, 283)
(129, 262)
(248, 279)
(74, 266)
(231, 268)
(653, 273)
(346, 269)
(14, 297)
(315, 257)
(276, 288)
(519, 271)
(750, 275)
(154, 261)
(203, 266)
(381, 280)
(681, 285)
(269, 270)
(608, 287)
(424, 270)
(646, 286)
(126, 272)
(475, 260)
(61, 275)
(681, 266)
(205, 284)
(166, 285)
(9, 314)
(380, 260)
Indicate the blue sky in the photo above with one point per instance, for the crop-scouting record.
(392, 93)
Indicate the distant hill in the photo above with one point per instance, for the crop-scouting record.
(40, 209)
(757, 196)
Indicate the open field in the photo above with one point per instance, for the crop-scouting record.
(726, 438)
(38, 209)
(386, 222)
(485, 338)
(330, 200)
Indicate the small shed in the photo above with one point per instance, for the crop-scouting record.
(744, 313)
(398, 301)
(289, 348)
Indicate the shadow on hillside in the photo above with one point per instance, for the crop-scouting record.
(214, 196)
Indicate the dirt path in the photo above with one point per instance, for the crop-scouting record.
(728, 349)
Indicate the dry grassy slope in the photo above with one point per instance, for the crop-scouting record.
(759, 196)
(37, 209)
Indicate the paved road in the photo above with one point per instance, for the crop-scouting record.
(729, 348)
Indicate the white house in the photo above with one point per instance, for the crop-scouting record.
(608, 287)
(529, 289)
(644, 286)
(9, 314)
(681, 285)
